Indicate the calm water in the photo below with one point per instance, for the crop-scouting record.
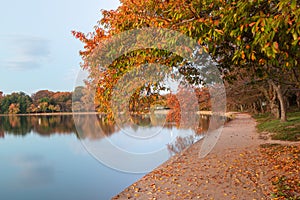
(48, 158)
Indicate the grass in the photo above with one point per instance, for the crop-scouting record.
(289, 131)
(283, 189)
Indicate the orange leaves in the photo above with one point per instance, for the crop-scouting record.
(201, 20)
(243, 55)
(285, 165)
(253, 57)
(219, 31)
(275, 44)
(252, 24)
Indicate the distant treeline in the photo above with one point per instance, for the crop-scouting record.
(43, 101)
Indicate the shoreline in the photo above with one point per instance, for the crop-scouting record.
(50, 114)
(186, 176)
(161, 112)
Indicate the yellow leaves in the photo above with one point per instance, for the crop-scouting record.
(206, 49)
(219, 31)
(241, 28)
(200, 41)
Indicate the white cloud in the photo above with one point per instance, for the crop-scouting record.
(24, 52)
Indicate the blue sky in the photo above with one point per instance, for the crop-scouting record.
(37, 49)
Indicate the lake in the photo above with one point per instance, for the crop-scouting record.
(51, 157)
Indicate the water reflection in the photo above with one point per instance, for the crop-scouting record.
(138, 143)
(42, 125)
(142, 126)
(33, 166)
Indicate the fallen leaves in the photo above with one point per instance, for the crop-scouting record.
(286, 170)
(271, 171)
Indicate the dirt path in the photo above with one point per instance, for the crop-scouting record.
(230, 171)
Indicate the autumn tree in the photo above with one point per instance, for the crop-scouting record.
(63, 100)
(21, 99)
(265, 39)
(173, 15)
(41, 96)
(14, 108)
(81, 100)
(49, 101)
(261, 37)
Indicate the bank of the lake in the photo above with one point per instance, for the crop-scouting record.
(229, 115)
(51, 114)
(241, 166)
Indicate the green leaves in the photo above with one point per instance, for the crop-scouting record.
(237, 34)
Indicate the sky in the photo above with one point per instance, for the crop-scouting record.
(37, 49)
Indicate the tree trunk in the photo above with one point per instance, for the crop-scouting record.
(283, 117)
(298, 99)
(274, 108)
(255, 110)
(241, 108)
(281, 99)
(271, 97)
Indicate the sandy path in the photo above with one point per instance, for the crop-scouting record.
(229, 171)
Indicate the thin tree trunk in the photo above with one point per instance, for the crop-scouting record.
(298, 99)
(281, 99)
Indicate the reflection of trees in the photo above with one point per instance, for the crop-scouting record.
(48, 125)
(203, 124)
(141, 120)
(180, 144)
(14, 125)
(107, 128)
(87, 126)
(43, 125)
(94, 127)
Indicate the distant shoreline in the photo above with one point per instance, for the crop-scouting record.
(163, 112)
(50, 114)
